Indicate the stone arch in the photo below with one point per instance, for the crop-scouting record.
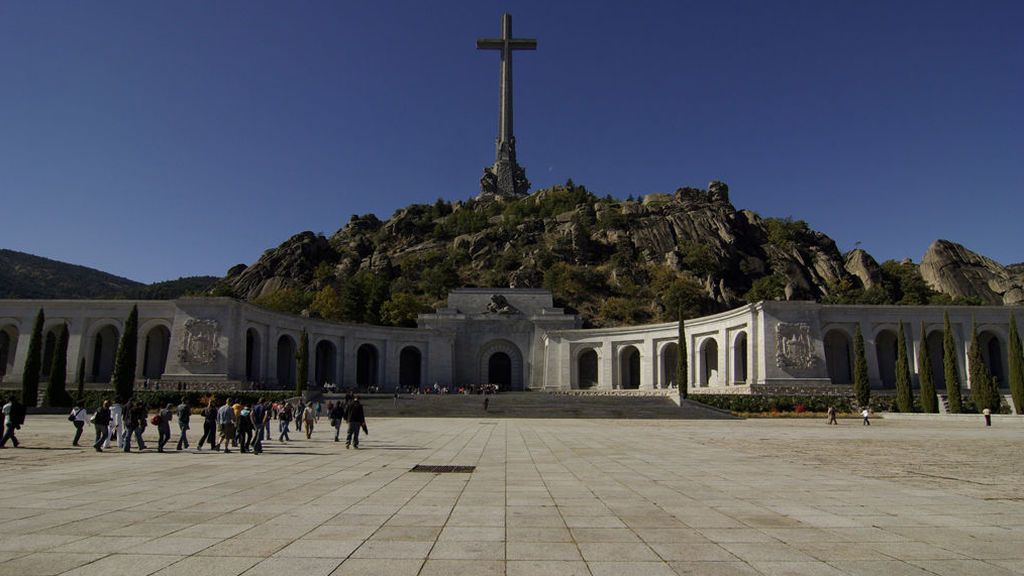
(739, 358)
(993, 355)
(708, 362)
(669, 361)
(49, 349)
(629, 367)
(410, 368)
(367, 366)
(837, 356)
(104, 348)
(514, 366)
(154, 357)
(885, 353)
(286, 361)
(587, 369)
(325, 364)
(253, 355)
(936, 354)
(8, 349)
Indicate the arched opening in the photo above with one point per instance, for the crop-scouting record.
(286, 361)
(366, 366)
(885, 352)
(499, 370)
(154, 360)
(837, 357)
(410, 362)
(49, 348)
(669, 360)
(586, 369)
(935, 357)
(992, 354)
(252, 355)
(709, 362)
(8, 347)
(104, 347)
(325, 370)
(629, 368)
(739, 359)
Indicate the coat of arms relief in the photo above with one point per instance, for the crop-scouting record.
(200, 342)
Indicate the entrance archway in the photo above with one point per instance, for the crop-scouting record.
(837, 357)
(992, 354)
(8, 348)
(936, 354)
(104, 347)
(286, 361)
(410, 368)
(154, 359)
(885, 351)
(515, 357)
(325, 370)
(49, 348)
(499, 370)
(586, 369)
(739, 359)
(669, 360)
(252, 355)
(629, 368)
(709, 362)
(367, 358)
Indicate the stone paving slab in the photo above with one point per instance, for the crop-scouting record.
(588, 497)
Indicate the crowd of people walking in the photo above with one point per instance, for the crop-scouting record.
(237, 424)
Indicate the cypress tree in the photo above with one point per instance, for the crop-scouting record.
(861, 386)
(681, 367)
(302, 369)
(904, 392)
(33, 363)
(983, 389)
(1016, 366)
(80, 380)
(56, 395)
(949, 367)
(123, 378)
(929, 403)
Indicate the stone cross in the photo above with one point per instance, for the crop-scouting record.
(506, 177)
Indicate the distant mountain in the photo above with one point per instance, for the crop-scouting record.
(27, 276)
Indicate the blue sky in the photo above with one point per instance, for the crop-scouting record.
(160, 139)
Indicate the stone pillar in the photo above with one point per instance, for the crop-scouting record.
(606, 365)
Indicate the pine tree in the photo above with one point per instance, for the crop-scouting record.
(904, 392)
(33, 363)
(56, 395)
(1016, 366)
(681, 368)
(983, 389)
(950, 369)
(861, 386)
(302, 357)
(80, 380)
(929, 402)
(123, 379)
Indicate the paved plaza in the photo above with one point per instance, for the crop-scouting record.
(558, 497)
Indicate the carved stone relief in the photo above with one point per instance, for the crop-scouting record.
(199, 343)
(794, 348)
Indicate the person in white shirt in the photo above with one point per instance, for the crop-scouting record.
(78, 417)
(116, 424)
(866, 414)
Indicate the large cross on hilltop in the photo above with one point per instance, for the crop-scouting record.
(505, 177)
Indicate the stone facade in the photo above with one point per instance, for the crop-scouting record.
(512, 337)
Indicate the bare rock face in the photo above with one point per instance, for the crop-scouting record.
(290, 265)
(862, 265)
(954, 270)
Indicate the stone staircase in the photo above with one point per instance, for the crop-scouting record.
(943, 404)
(534, 405)
(1008, 399)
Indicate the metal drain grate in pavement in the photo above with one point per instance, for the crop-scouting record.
(443, 469)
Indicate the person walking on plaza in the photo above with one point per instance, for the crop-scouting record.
(356, 421)
(77, 417)
(832, 415)
(308, 417)
(336, 412)
(134, 425)
(116, 424)
(226, 422)
(101, 420)
(14, 417)
(209, 424)
(866, 414)
(259, 416)
(988, 416)
(245, 429)
(266, 422)
(184, 415)
(300, 411)
(284, 419)
(163, 426)
(237, 407)
(319, 408)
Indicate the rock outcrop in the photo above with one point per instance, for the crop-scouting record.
(290, 265)
(862, 265)
(956, 271)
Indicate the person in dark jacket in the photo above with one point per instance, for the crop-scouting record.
(184, 415)
(163, 426)
(284, 419)
(209, 424)
(134, 423)
(336, 412)
(356, 421)
(259, 415)
(101, 420)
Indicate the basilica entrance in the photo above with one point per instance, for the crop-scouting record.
(501, 363)
(499, 370)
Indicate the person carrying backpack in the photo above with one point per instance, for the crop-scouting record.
(77, 417)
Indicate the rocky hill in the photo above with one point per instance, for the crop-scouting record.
(954, 270)
(614, 262)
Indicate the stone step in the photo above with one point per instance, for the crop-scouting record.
(1008, 398)
(943, 404)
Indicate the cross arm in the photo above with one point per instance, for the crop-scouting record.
(499, 44)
